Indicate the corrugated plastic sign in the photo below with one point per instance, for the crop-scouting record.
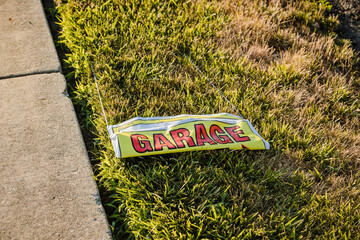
(160, 135)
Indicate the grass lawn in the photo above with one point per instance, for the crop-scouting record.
(279, 62)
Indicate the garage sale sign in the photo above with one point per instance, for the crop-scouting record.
(160, 135)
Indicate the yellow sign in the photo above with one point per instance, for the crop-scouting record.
(160, 135)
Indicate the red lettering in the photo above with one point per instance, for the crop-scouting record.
(201, 135)
(214, 133)
(141, 143)
(235, 134)
(161, 141)
(180, 135)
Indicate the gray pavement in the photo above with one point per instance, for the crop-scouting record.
(26, 46)
(46, 186)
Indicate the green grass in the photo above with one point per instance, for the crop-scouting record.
(279, 63)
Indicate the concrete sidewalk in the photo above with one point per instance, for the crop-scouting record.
(46, 186)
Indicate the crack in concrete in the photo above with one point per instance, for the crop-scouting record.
(29, 74)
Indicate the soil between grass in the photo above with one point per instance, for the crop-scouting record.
(348, 13)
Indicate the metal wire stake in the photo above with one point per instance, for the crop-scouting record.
(97, 87)
(222, 95)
